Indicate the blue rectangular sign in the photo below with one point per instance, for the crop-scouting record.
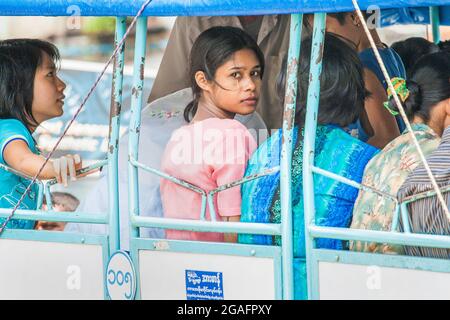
(204, 285)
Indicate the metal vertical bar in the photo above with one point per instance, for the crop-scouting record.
(435, 24)
(203, 209)
(312, 107)
(405, 219)
(113, 141)
(135, 120)
(212, 209)
(48, 197)
(286, 156)
(394, 225)
(40, 197)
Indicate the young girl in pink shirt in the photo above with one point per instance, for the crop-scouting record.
(226, 67)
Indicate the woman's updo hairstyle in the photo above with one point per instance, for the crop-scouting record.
(212, 49)
(429, 84)
(412, 49)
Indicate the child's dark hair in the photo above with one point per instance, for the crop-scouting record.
(412, 49)
(342, 90)
(211, 50)
(428, 85)
(19, 59)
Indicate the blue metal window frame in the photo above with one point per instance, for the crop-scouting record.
(286, 157)
(314, 255)
(435, 24)
(111, 242)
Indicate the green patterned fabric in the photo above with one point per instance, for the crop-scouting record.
(386, 172)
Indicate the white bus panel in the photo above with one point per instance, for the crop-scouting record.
(50, 270)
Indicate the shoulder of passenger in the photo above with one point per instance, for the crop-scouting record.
(224, 123)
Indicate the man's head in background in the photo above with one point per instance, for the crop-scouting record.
(62, 202)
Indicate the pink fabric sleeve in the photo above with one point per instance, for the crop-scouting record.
(229, 201)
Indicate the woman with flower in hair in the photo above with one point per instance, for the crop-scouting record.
(425, 98)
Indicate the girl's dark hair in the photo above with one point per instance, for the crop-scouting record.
(428, 85)
(412, 49)
(211, 50)
(342, 90)
(19, 59)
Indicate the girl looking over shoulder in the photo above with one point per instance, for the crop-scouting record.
(426, 215)
(30, 93)
(226, 67)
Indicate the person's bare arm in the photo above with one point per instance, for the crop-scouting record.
(379, 120)
(231, 237)
(18, 156)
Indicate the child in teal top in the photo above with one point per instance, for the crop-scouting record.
(30, 93)
(12, 186)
